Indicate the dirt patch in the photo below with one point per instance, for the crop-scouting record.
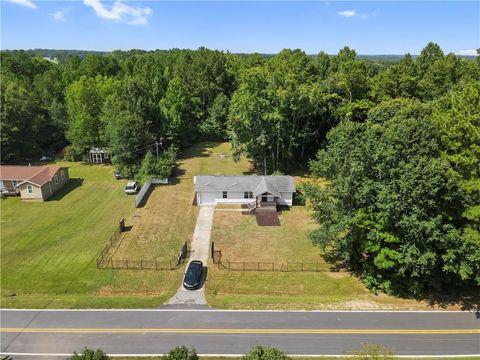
(267, 219)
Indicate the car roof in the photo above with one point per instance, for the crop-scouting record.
(131, 183)
(196, 263)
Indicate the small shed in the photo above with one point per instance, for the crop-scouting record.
(100, 156)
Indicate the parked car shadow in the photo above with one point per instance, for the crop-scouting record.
(67, 189)
(204, 277)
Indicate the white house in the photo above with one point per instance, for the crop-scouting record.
(262, 191)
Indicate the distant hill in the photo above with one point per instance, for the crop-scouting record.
(59, 53)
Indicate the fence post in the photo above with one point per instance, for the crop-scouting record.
(244, 266)
(156, 267)
(141, 264)
(287, 266)
(273, 266)
(258, 266)
(316, 267)
(126, 264)
(228, 265)
(302, 265)
(170, 261)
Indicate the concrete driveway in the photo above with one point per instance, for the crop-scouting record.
(200, 248)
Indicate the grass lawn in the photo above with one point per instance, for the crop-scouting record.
(241, 239)
(168, 218)
(48, 250)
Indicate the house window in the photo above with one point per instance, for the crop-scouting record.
(106, 156)
(97, 158)
(30, 189)
(224, 195)
(55, 178)
(248, 195)
(14, 183)
(62, 174)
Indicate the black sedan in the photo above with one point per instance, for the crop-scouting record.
(193, 276)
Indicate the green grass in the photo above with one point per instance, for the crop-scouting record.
(240, 239)
(168, 218)
(48, 250)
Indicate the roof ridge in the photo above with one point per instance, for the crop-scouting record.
(43, 168)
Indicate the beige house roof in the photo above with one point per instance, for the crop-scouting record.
(37, 175)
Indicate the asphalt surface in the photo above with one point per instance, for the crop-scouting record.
(61, 332)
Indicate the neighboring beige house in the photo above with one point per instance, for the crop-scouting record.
(32, 182)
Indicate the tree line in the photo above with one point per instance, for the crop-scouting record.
(395, 146)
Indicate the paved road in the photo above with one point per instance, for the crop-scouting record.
(200, 248)
(235, 332)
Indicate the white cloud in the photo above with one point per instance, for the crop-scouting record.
(26, 3)
(347, 13)
(60, 14)
(353, 13)
(468, 52)
(120, 11)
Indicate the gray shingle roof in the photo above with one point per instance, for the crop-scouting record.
(257, 184)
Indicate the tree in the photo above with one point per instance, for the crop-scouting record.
(85, 100)
(265, 353)
(20, 118)
(393, 206)
(89, 354)
(428, 56)
(182, 353)
(323, 64)
(215, 124)
(176, 110)
(153, 167)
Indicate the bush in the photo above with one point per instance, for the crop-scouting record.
(265, 353)
(89, 354)
(373, 352)
(182, 353)
(157, 168)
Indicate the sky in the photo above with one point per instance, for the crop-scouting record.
(369, 27)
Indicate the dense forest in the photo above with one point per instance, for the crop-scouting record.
(395, 145)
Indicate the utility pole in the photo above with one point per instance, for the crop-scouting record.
(156, 145)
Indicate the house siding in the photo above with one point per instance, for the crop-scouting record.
(235, 197)
(46, 190)
(36, 194)
(286, 198)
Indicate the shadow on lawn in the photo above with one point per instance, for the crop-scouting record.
(67, 189)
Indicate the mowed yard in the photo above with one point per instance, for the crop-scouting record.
(240, 239)
(48, 250)
(168, 218)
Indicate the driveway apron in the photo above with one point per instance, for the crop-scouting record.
(199, 251)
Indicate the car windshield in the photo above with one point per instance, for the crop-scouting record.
(192, 272)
